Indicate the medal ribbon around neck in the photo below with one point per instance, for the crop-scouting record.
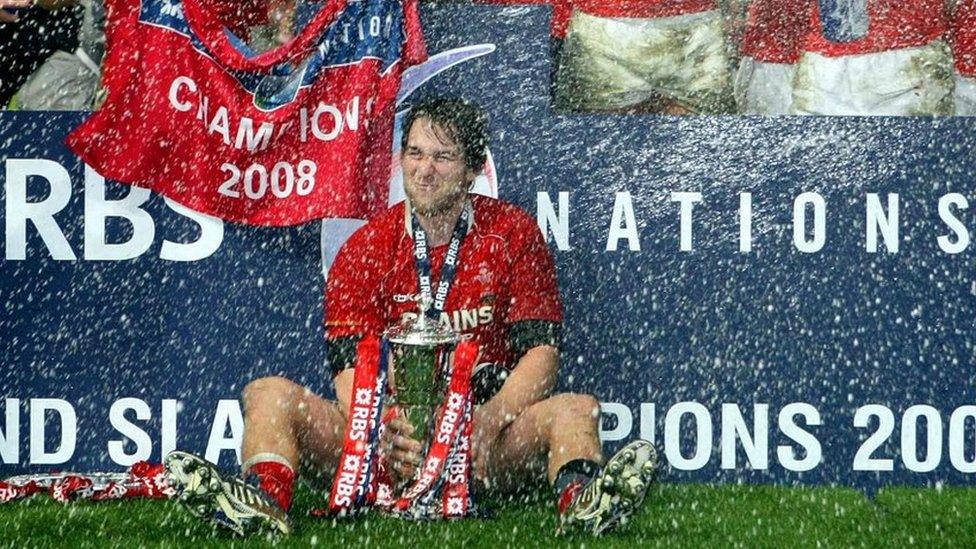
(421, 255)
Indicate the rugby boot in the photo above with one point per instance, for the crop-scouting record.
(614, 494)
(224, 500)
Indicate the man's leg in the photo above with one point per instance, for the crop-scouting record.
(564, 432)
(546, 436)
(287, 427)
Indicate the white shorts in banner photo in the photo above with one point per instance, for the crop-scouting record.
(764, 88)
(620, 63)
(906, 82)
(965, 95)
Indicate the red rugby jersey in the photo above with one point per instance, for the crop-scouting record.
(780, 30)
(894, 24)
(642, 8)
(775, 30)
(297, 133)
(505, 275)
(964, 37)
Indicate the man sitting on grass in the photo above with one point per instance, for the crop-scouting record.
(502, 291)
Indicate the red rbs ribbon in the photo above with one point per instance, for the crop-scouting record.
(351, 486)
(443, 488)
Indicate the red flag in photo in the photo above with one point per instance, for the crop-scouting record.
(298, 133)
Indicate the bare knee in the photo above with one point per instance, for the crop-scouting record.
(576, 407)
(268, 393)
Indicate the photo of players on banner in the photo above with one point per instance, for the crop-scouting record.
(426, 417)
(672, 57)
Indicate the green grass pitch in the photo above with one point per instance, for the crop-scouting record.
(674, 515)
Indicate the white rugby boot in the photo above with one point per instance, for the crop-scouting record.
(226, 501)
(610, 497)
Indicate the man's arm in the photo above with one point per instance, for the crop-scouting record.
(52, 5)
(11, 16)
(352, 308)
(49, 5)
(343, 388)
(341, 353)
(532, 380)
(534, 319)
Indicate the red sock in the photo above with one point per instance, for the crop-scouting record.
(568, 495)
(571, 478)
(275, 479)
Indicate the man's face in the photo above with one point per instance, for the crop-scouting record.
(435, 176)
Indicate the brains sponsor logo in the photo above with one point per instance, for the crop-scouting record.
(463, 319)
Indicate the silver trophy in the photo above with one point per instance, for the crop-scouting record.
(422, 350)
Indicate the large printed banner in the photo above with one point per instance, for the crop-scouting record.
(767, 299)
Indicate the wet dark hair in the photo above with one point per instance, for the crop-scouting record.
(461, 121)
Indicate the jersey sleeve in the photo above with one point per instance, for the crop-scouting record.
(964, 37)
(534, 288)
(352, 303)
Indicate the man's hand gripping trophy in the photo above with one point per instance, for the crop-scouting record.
(421, 349)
